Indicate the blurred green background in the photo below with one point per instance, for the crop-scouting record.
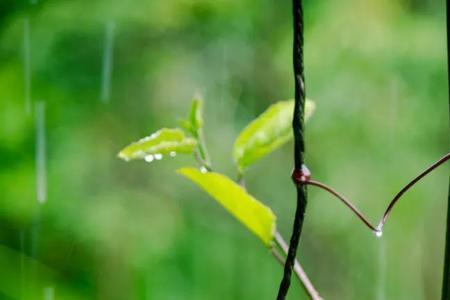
(109, 72)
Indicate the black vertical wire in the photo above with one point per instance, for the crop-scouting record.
(446, 277)
(299, 144)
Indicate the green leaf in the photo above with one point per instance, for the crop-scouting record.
(269, 131)
(194, 122)
(196, 113)
(186, 125)
(257, 217)
(165, 141)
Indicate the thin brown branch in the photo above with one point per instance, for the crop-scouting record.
(344, 200)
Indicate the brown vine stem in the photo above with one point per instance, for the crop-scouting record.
(408, 186)
(347, 202)
(304, 179)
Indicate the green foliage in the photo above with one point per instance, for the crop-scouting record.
(265, 134)
(165, 141)
(271, 130)
(257, 217)
(194, 123)
(372, 87)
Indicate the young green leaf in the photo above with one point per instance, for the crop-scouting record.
(257, 217)
(269, 131)
(194, 122)
(196, 113)
(162, 142)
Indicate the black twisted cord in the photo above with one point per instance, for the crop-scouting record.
(299, 142)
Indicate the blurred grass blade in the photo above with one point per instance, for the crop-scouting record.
(257, 217)
(162, 142)
(269, 131)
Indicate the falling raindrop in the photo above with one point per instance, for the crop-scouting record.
(149, 158)
(381, 263)
(379, 231)
(22, 263)
(158, 156)
(41, 174)
(27, 65)
(49, 293)
(107, 62)
(203, 170)
(172, 154)
(32, 272)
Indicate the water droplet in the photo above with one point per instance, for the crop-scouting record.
(379, 231)
(158, 156)
(41, 164)
(27, 65)
(173, 154)
(107, 62)
(149, 158)
(49, 293)
(203, 170)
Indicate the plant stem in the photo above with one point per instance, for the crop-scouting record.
(202, 150)
(201, 155)
(347, 202)
(298, 128)
(446, 276)
(409, 185)
(377, 229)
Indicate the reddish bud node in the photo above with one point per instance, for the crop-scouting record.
(301, 176)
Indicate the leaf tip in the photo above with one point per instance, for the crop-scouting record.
(123, 156)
